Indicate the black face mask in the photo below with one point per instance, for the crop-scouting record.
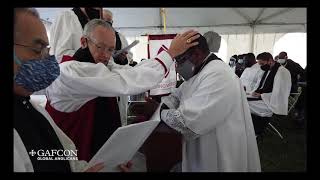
(92, 13)
(120, 62)
(265, 67)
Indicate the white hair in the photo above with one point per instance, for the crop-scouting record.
(108, 12)
(91, 25)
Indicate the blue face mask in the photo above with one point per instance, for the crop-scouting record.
(36, 74)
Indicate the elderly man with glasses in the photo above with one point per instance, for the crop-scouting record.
(82, 100)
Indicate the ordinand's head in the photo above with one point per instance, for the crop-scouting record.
(192, 59)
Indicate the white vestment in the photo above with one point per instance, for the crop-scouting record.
(212, 113)
(65, 35)
(80, 82)
(251, 77)
(275, 102)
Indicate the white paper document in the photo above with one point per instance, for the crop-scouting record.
(124, 143)
(135, 42)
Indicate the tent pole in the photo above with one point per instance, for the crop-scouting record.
(252, 37)
(163, 19)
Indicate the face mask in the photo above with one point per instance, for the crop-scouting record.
(92, 13)
(186, 69)
(34, 75)
(281, 61)
(265, 67)
(120, 62)
(232, 63)
(240, 61)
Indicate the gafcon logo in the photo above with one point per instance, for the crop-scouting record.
(54, 154)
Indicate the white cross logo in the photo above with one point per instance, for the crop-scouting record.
(32, 153)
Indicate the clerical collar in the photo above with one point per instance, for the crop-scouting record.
(83, 55)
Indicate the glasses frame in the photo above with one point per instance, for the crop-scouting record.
(43, 51)
(102, 49)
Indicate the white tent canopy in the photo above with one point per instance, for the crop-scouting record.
(243, 29)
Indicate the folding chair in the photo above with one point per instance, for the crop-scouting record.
(293, 99)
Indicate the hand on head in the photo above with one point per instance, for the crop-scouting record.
(182, 42)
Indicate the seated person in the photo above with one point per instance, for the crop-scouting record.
(272, 93)
(233, 61)
(294, 68)
(251, 76)
(240, 65)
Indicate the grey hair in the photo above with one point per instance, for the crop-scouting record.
(91, 25)
(31, 11)
(213, 40)
(108, 12)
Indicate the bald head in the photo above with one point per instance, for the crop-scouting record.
(28, 31)
(33, 30)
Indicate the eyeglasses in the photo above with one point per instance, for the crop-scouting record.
(102, 48)
(43, 50)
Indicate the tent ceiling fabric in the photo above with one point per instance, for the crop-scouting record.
(221, 20)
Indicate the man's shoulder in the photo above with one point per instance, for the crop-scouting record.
(283, 70)
(290, 61)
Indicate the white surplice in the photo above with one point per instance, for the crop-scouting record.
(275, 102)
(251, 77)
(65, 35)
(212, 113)
(80, 82)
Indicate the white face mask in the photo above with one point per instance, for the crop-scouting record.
(281, 61)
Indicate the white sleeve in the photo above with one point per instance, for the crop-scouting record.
(124, 43)
(173, 100)
(65, 35)
(280, 93)
(208, 106)
(256, 80)
(245, 78)
(80, 82)
(173, 119)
